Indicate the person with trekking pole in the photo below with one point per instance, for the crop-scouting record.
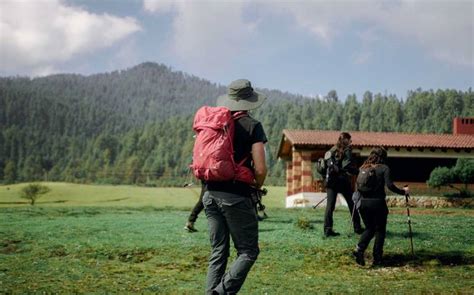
(198, 207)
(373, 177)
(338, 180)
(228, 204)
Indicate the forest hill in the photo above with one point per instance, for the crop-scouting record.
(134, 126)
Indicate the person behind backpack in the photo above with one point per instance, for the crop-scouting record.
(373, 207)
(341, 183)
(228, 206)
(198, 207)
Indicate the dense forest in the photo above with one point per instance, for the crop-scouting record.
(134, 126)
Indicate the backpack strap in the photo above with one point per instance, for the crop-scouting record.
(239, 114)
(236, 116)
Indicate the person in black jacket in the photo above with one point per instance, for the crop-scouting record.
(341, 184)
(373, 207)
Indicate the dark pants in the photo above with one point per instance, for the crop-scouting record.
(342, 186)
(197, 208)
(229, 216)
(375, 220)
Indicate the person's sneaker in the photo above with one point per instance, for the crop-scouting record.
(359, 257)
(359, 230)
(190, 227)
(331, 233)
(377, 263)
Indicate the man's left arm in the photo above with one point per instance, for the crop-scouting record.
(259, 163)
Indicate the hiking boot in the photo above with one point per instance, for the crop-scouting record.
(359, 230)
(331, 233)
(377, 263)
(190, 227)
(359, 257)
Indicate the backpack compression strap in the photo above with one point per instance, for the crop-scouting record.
(236, 116)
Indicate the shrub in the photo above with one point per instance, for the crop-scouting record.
(303, 223)
(33, 191)
(462, 172)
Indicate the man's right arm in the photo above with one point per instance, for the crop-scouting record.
(259, 164)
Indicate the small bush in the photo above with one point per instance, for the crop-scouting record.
(462, 172)
(33, 191)
(303, 223)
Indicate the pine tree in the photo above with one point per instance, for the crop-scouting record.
(9, 172)
(351, 117)
(366, 112)
(377, 113)
(392, 113)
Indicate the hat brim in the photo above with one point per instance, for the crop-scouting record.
(251, 103)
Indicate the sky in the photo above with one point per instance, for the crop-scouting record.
(301, 46)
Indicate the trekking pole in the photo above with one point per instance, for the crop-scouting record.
(320, 202)
(189, 178)
(352, 219)
(409, 224)
(257, 195)
(260, 207)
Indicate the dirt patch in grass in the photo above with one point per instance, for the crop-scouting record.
(435, 212)
(14, 203)
(58, 251)
(10, 246)
(198, 261)
(114, 200)
(83, 212)
(423, 258)
(136, 255)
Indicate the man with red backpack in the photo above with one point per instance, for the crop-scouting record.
(227, 202)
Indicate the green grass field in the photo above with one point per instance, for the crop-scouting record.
(77, 195)
(122, 239)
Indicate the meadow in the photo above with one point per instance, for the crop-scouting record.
(126, 239)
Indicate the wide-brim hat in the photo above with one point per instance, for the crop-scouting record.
(241, 97)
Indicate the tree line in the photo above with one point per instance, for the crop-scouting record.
(135, 126)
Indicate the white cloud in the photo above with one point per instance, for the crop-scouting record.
(362, 57)
(155, 6)
(37, 36)
(125, 57)
(206, 32)
(444, 29)
(325, 20)
(43, 71)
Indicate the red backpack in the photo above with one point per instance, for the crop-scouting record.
(213, 152)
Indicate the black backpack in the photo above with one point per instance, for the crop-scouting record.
(367, 180)
(329, 168)
(321, 166)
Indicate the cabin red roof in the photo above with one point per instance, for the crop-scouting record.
(385, 139)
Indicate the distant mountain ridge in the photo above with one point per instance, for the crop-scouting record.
(129, 98)
(134, 125)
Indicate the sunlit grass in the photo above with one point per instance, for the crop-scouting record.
(120, 249)
(73, 195)
(101, 239)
